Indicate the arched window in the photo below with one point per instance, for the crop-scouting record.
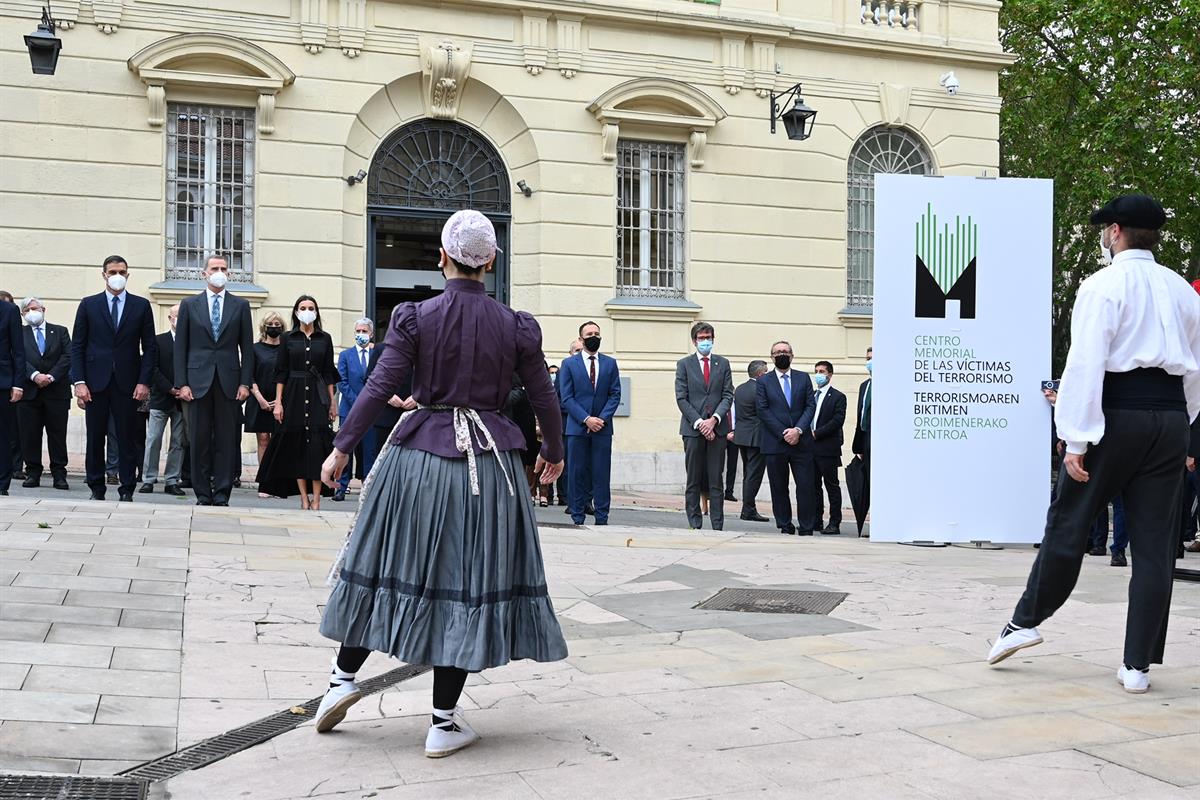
(886, 150)
(431, 164)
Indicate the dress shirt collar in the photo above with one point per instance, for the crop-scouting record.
(824, 389)
(211, 294)
(1132, 255)
(585, 355)
(465, 285)
(779, 373)
(119, 295)
(700, 357)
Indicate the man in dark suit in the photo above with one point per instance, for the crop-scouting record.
(861, 444)
(214, 367)
(786, 405)
(828, 421)
(589, 386)
(352, 375)
(746, 440)
(704, 393)
(47, 400)
(112, 359)
(12, 373)
(165, 407)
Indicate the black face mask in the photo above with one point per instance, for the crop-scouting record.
(273, 332)
(592, 343)
(783, 361)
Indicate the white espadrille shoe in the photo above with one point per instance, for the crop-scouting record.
(449, 735)
(342, 693)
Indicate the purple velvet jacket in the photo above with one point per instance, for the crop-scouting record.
(462, 348)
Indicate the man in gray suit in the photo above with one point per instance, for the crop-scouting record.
(745, 439)
(704, 393)
(214, 367)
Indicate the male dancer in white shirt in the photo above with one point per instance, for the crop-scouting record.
(1129, 391)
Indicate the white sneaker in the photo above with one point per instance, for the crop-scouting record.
(335, 704)
(1134, 680)
(450, 735)
(1008, 644)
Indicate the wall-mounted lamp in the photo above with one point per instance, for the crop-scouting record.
(524, 187)
(43, 45)
(359, 177)
(798, 120)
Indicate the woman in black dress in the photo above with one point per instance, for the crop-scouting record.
(304, 379)
(260, 406)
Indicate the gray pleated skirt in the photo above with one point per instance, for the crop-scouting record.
(435, 575)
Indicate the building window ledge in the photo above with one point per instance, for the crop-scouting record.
(659, 309)
(175, 289)
(857, 317)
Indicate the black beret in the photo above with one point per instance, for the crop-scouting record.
(1132, 211)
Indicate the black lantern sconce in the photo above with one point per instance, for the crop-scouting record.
(43, 45)
(797, 120)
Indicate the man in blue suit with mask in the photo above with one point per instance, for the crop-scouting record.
(589, 385)
(786, 407)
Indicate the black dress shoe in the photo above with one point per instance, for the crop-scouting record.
(754, 516)
(832, 529)
(789, 529)
(125, 497)
(1118, 559)
(237, 484)
(185, 484)
(19, 475)
(804, 533)
(718, 527)
(1098, 551)
(562, 501)
(3, 492)
(339, 495)
(221, 503)
(729, 496)
(203, 501)
(32, 482)
(173, 488)
(96, 495)
(147, 488)
(112, 480)
(61, 483)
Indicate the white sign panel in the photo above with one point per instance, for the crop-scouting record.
(960, 431)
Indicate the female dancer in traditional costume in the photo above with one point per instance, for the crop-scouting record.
(443, 566)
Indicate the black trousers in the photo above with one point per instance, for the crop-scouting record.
(732, 452)
(42, 414)
(120, 405)
(1139, 458)
(799, 461)
(213, 436)
(8, 435)
(704, 458)
(825, 470)
(754, 466)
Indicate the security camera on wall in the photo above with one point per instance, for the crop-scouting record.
(950, 81)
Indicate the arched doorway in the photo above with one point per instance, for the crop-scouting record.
(421, 174)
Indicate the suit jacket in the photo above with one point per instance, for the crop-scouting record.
(163, 379)
(827, 427)
(387, 419)
(696, 400)
(13, 371)
(746, 424)
(861, 445)
(352, 377)
(775, 415)
(581, 401)
(55, 362)
(101, 355)
(201, 361)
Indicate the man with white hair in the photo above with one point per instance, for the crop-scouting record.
(47, 399)
(352, 367)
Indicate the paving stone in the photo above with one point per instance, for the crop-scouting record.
(64, 740)
(28, 612)
(23, 631)
(11, 675)
(11, 763)
(105, 767)
(165, 620)
(146, 659)
(80, 559)
(120, 600)
(42, 567)
(24, 594)
(1170, 758)
(134, 683)
(48, 706)
(157, 587)
(114, 636)
(1025, 734)
(72, 582)
(7, 576)
(126, 710)
(134, 572)
(64, 655)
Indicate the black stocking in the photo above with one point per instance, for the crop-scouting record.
(448, 684)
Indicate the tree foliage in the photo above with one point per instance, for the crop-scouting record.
(1105, 99)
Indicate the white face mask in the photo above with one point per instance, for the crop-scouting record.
(218, 280)
(34, 318)
(306, 317)
(116, 282)
(1106, 254)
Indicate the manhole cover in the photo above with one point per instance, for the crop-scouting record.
(773, 601)
(69, 787)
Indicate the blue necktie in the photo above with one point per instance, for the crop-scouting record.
(116, 310)
(41, 341)
(216, 315)
(787, 388)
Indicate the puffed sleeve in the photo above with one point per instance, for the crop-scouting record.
(531, 365)
(391, 369)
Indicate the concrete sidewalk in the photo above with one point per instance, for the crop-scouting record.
(132, 629)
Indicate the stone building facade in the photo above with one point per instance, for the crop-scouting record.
(623, 148)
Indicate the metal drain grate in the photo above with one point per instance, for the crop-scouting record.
(773, 601)
(226, 744)
(70, 787)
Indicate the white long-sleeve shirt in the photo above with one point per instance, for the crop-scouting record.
(1133, 313)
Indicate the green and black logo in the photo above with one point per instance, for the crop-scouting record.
(945, 266)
